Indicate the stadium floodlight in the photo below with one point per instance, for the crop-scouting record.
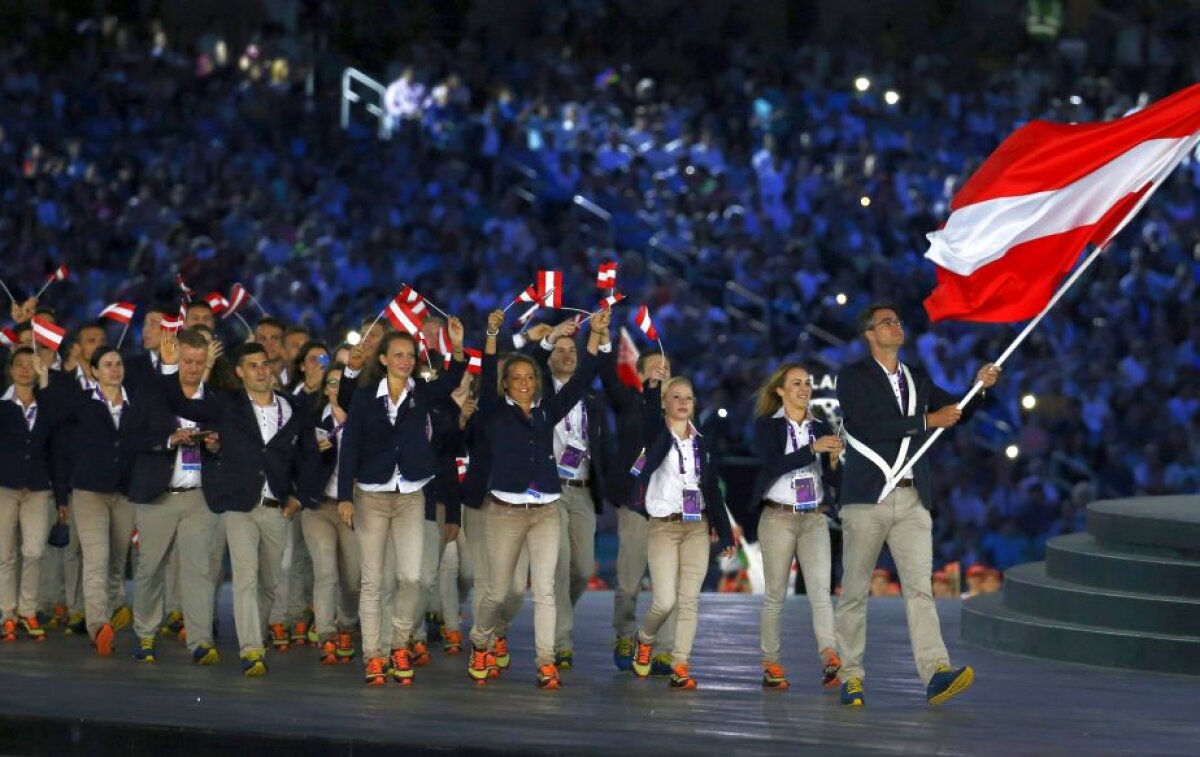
(353, 338)
(722, 413)
(840, 298)
(891, 97)
(862, 84)
(1011, 452)
(864, 201)
(1029, 402)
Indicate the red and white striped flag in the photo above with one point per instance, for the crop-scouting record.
(611, 300)
(8, 337)
(172, 323)
(121, 312)
(529, 295)
(461, 464)
(60, 274)
(606, 276)
(528, 315)
(188, 292)
(217, 302)
(474, 361)
(1018, 226)
(238, 296)
(550, 288)
(412, 300)
(47, 334)
(444, 347)
(403, 318)
(644, 323)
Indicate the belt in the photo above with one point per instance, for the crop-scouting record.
(268, 502)
(329, 501)
(675, 518)
(906, 483)
(785, 508)
(519, 505)
(578, 483)
(181, 489)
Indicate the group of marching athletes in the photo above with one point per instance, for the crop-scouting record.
(338, 478)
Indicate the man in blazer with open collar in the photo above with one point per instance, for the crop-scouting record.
(260, 465)
(889, 407)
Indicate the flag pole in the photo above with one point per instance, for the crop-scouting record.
(238, 316)
(999, 362)
(124, 331)
(45, 286)
(253, 299)
(10, 294)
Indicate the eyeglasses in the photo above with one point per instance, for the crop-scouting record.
(333, 382)
(888, 322)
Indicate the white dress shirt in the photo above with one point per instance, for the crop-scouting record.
(30, 412)
(782, 490)
(270, 419)
(116, 411)
(664, 492)
(187, 477)
(894, 380)
(572, 430)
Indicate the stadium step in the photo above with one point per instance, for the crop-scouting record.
(1082, 559)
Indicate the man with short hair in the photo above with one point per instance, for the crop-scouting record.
(269, 333)
(261, 464)
(200, 313)
(890, 407)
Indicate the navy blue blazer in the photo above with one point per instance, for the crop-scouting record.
(26, 461)
(521, 448)
(233, 477)
(151, 424)
(658, 446)
(372, 446)
(873, 417)
(770, 443)
(98, 456)
(628, 408)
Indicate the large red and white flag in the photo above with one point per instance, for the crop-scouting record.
(550, 288)
(627, 357)
(403, 318)
(47, 334)
(121, 312)
(1019, 224)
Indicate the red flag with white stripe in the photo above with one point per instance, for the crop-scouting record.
(121, 312)
(474, 361)
(529, 295)
(60, 273)
(47, 334)
(606, 276)
(217, 302)
(444, 347)
(461, 463)
(550, 288)
(412, 300)
(403, 318)
(1018, 226)
(627, 357)
(188, 292)
(238, 296)
(644, 323)
(611, 300)
(9, 338)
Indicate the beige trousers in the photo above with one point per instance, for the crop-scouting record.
(180, 523)
(679, 556)
(29, 513)
(508, 530)
(381, 518)
(255, 543)
(633, 533)
(905, 526)
(576, 559)
(782, 535)
(104, 523)
(475, 527)
(337, 569)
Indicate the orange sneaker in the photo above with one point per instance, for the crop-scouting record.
(401, 666)
(478, 667)
(500, 650)
(104, 640)
(641, 659)
(681, 679)
(376, 671)
(328, 652)
(31, 628)
(773, 677)
(420, 654)
(547, 677)
(454, 642)
(8, 631)
(833, 666)
(345, 646)
(300, 634)
(279, 637)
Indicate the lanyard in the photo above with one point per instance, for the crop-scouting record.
(695, 456)
(792, 435)
(583, 412)
(31, 416)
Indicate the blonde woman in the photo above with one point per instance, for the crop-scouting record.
(687, 515)
(790, 493)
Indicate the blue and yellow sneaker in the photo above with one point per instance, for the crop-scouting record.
(173, 624)
(145, 651)
(852, 692)
(122, 617)
(623, 653)
(253, 664)
(948, 682)
(205, 654)
(662, 665)
(564, 659)
(76, 624)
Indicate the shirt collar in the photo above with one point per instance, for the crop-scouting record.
(11, 394)
(510, 401)
(781, 414)
(889, 374)
(99, 396)
(382, 390)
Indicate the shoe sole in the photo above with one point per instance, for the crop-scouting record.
(104, 641)
(689, 686)
(778, 686)
(957, 686)
(376, 681)
(552, 685)
(855, 703)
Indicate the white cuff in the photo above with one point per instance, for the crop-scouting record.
(606, 348)
(519, 340)
(350, 373)
(545, 345)
(169, 370)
